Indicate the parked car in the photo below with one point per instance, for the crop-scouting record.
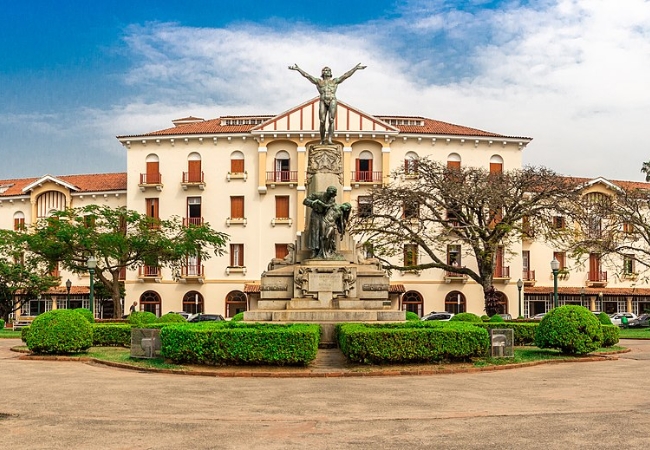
(642, 321)
(444, 316)
(539, 316)
(506, 316)
(205, 318)
(182, 313)
(617, 318)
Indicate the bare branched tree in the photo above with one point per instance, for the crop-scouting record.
(482, 212)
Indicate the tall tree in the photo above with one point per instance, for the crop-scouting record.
(120, 239)
(21, 277)
(482, 212)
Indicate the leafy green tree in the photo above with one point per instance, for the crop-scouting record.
(467, 206)
(645, 168)
(21, 276)
(120, 239)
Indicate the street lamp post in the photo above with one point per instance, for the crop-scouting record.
(520, 284)
(555, 267)
(91, 263)
(68, 285)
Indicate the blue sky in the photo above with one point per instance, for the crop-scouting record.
(572, 74)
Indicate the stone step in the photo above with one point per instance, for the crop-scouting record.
(328, 359)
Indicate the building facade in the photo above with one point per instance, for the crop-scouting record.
(246, 176)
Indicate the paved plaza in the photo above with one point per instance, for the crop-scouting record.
(74, 405)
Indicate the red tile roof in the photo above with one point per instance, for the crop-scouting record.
(218, 125)
(99, 182)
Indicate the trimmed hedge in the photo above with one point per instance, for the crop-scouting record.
(466, 317)
(59, 332)
(2, 324)
(411, 342)
(237, 317)
(611, 334)
(86, 313)
(604, 319)
(214, 343)
(572, 329)
(171, 318)
(410, 315)
(140, 318)
(111, 335)
(496, 318)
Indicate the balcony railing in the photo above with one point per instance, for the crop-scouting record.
(597, 279)
(454, 276)
(502, 272)
(192, 221)
(150, 178)
(192, 177)
(149, 272)
(192, 271)
(282, 176)
(366, 176)
(528, 275)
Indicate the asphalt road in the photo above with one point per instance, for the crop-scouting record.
(73, 405)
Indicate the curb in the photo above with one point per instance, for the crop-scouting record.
(236, 372)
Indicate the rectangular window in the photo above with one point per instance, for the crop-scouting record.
(496, 168)
(281, 250)
(411, 210)
(453, 165)
(237, 255)
(628, 264)
(559, 222)
(152, 205)
(411, 166)
(281, 206)
(364, 206)
(628, 227)
(237, 207)
(153, 173)
(237, 166)
(410, 254)
(561, 257)
(19, 224)
(194, 211)
(194, 174)
(453, 255)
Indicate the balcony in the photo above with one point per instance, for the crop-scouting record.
(193, 272)
(528, 277)
(367, 177)
(597, 279)
(451, 277)
(192, 221)
(191, 179)
(150, 180)
(150, 273)
(285, 177)
(501, 274)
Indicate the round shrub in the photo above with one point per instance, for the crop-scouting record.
(237, 317)
(496, 318)
(59, 332)
(604, 319)
(140, 318)
(86, 313)
(465, 317)
(412, 316)
(2, 324)
(485, 318)
(171, 318)
(572, 329)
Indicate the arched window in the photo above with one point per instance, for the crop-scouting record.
(150, 301)
(453, 161)
(237, 162)
(455, 302)
(496, 164)
(412, 301)
(152, 176)
(194, 173)
(193, 302)
(363, 172)
(19, 221)
(411, 164)
(598, 206)
(235, 303)
(282, 166)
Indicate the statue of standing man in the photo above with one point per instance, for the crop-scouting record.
(326, 86)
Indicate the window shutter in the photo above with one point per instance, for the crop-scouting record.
(153, 172)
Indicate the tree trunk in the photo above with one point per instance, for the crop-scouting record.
(116, 295)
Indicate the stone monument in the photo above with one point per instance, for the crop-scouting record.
(324, 278)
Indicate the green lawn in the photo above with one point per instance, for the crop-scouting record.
(635, 333)
(8, 333)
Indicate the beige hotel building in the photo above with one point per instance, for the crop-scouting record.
(245, 175)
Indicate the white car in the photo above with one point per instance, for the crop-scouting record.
(617, 317)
